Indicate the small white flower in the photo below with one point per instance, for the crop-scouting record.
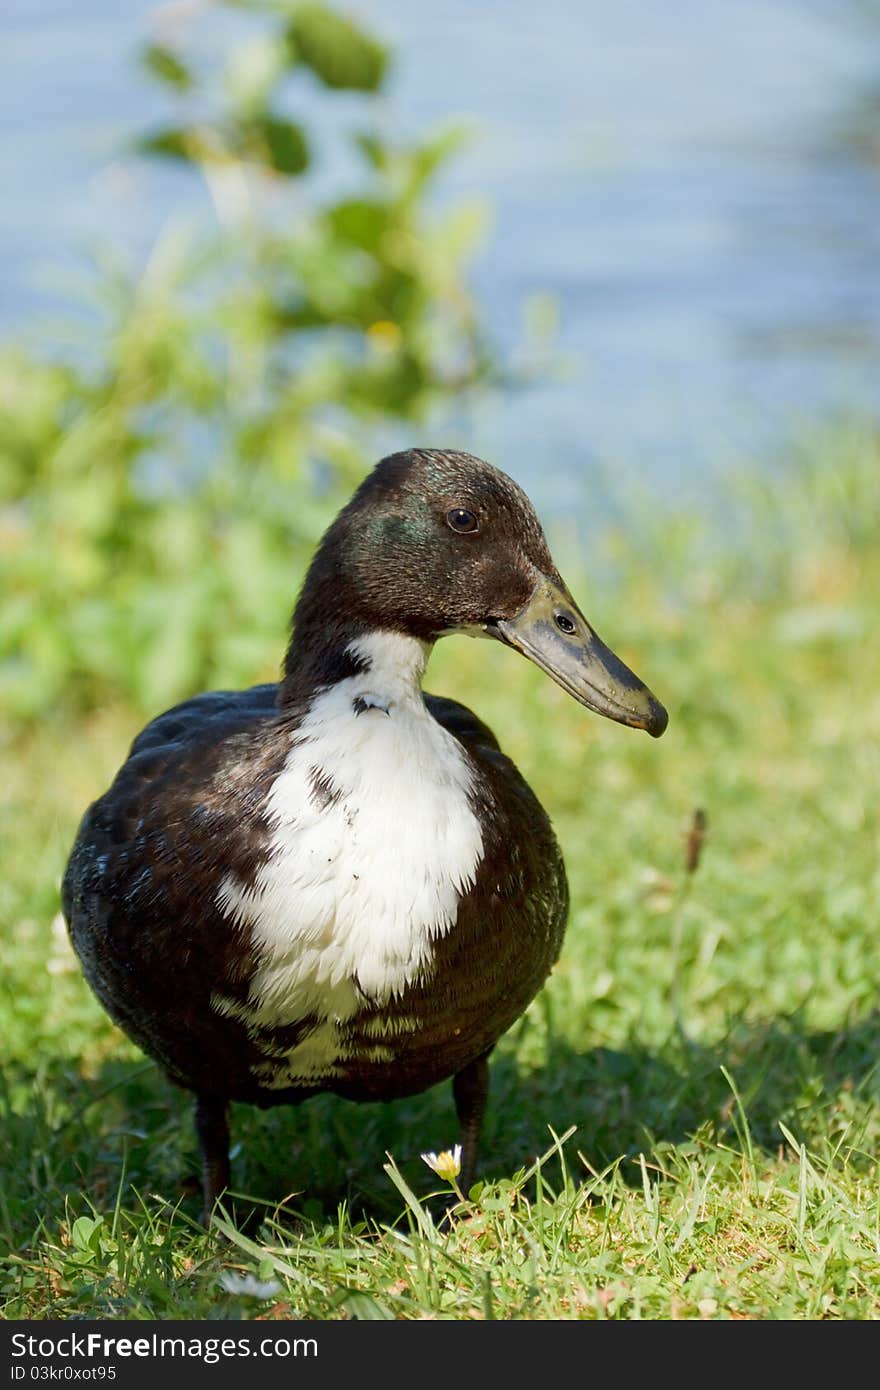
(446, 1165)
(249, 1286)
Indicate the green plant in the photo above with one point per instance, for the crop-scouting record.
(160, 491)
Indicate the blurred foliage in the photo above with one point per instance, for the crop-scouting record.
(161, 488)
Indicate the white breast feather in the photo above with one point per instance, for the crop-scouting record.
(353, 893)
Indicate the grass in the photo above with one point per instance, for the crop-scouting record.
(684, 1125)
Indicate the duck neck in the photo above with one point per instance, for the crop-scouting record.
(384, 667)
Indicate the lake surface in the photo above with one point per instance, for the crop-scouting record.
(682, 179)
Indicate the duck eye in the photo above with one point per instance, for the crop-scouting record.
(462, 521)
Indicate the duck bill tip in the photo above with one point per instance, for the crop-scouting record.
(551, 631)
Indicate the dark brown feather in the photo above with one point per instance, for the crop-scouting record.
(188, 808)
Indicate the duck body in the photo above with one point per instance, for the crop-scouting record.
(266, 924)
(339, 883)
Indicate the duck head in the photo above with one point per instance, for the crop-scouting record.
(435, 542)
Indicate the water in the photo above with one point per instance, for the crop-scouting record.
(679, 178)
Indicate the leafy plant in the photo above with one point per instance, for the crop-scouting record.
(159, 491)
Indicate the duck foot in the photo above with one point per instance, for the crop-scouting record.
(470, 1090)
(212, 1127)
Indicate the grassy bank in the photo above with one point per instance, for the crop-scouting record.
(710, 1038)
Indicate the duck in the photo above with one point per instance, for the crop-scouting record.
(338, 882)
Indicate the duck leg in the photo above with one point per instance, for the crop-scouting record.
(212, 1127)
(470, 1090)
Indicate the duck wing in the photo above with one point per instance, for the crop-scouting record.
(140, 890)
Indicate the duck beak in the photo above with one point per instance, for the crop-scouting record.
(552, 631)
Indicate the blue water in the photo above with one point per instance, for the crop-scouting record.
(677, 177)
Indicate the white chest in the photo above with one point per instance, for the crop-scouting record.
(374, 841)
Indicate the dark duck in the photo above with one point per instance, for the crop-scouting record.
(339, 883)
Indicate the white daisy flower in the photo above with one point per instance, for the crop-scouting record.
(446, 1165)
